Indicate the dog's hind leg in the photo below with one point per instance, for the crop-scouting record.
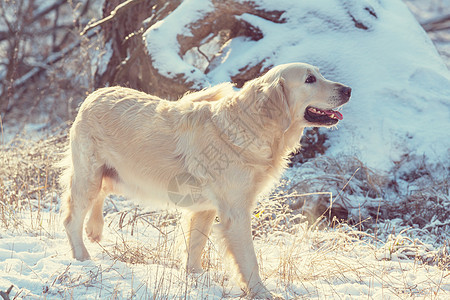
(94, 225)
(199, 228)
(85, 186)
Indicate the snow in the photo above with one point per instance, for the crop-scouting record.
(309, 263)
(161, 38)
(401, 87)
(400, 105)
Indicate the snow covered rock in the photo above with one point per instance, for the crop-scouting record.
(401, 86)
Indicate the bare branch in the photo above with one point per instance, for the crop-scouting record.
(120, 9)
(55, 5)
(5, 295)
(5, 35)
(437, 24)
(51, 59)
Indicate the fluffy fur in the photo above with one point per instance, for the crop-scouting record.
(212, 152)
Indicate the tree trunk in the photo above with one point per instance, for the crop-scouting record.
(132, 65)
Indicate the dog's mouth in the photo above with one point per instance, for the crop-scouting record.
(322, 116)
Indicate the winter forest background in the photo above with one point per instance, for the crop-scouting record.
(363, 211)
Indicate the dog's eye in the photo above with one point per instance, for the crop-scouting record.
(310, 79)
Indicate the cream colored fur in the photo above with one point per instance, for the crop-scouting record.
(231, 144)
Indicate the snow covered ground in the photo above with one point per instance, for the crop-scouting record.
(400, 107)
(139, 258)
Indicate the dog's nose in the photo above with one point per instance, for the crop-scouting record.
(346, 91)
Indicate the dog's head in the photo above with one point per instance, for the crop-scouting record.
(304, 95)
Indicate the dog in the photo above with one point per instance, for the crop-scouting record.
(212, 152)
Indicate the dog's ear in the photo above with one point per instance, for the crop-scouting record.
(275, 105)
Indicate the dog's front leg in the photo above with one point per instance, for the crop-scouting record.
(238, 236)
(199, 228)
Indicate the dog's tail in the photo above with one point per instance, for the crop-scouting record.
(211, 94)
(65, 179)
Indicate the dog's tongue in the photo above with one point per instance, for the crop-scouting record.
(337, 114)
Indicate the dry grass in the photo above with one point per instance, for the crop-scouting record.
(345, 178)
(416, 191)
(132, 224)
(28, 179)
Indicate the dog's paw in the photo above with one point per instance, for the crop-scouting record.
(269, 295)
(81, 254)
(83, 257)
(263, 293)
(94, 231)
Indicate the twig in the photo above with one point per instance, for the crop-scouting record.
(51, 59)
(120, 9)
(345, 185)
(202, 53)
(5, 295)
(437, 24)
(56, 5)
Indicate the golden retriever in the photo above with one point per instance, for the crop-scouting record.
(212, 152)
